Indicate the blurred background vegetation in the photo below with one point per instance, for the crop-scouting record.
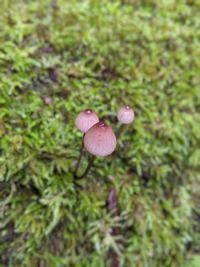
(99, 54)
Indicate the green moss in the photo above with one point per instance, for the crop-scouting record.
(99, 54)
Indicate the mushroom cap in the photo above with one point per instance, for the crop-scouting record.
(100, 140)
(125, 115)
(85, 120)
(47, 100)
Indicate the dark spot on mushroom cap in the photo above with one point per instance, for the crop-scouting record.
(127, 107)
(101, 124)
(88, 111)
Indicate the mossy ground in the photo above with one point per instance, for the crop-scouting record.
(101, 55)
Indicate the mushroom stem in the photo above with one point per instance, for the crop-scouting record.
(80, 156)
(121, 130)
(90, 163)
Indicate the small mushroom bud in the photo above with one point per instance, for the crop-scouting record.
(125, 115)
(47, 100)
(100, 140)
(85, 120)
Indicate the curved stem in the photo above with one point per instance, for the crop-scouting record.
(90, 163)
(80, 156)
(121, 130)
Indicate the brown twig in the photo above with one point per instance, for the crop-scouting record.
(80, 156)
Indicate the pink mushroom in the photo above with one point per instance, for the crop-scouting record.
(47, 100)
(85, 120)
(100, 140)
(125, 115)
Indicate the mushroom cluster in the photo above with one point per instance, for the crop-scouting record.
(98, 137)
